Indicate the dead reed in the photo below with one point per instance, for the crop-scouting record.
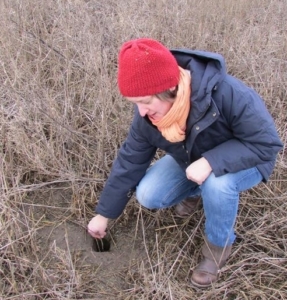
(62, 122)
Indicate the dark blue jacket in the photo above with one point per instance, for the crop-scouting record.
(228, 124)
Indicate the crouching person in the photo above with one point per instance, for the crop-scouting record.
(219, 138)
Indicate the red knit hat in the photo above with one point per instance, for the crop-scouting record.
(146, 67)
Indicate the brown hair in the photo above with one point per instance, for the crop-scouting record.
(168, 95)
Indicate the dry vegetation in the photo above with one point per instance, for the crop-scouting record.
(62, 122)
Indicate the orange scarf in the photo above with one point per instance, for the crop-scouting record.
(172, 126)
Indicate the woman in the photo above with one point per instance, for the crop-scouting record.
(217, 133)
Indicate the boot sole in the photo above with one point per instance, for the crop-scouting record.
(200, 285)
(182, 216)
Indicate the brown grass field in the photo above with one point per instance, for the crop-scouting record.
(62, 121)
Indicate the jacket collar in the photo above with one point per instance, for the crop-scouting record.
(207, 70)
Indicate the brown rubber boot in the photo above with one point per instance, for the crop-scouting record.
(187, 207)
(214, 258)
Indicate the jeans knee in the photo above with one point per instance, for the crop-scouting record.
(146, 198)
(218, 188)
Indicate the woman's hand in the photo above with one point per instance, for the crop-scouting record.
(198, 171)
(97, 226)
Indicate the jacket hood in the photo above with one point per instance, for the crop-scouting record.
(207, 71)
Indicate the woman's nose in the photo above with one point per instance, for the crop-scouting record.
(142, 110)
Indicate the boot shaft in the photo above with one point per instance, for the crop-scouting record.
(215, 253)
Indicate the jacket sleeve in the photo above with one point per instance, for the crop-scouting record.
(133, 159)
(255, 141)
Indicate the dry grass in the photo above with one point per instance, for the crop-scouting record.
(62, 122)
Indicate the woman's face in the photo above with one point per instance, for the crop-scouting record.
(151, 106)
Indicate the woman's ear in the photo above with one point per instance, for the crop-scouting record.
(172, 88)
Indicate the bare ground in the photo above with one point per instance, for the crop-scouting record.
(62, 238)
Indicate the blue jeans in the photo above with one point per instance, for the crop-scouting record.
(165, 184)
